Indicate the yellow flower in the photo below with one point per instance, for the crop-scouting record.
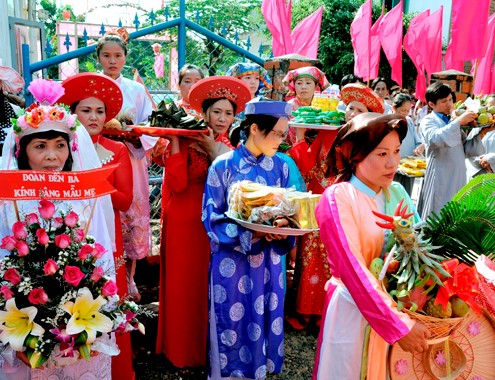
(17, 324)
(85, 315)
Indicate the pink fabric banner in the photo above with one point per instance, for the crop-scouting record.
(306, 35)
(391, 40)
(483, 75)
(450, 63)
(468, 31)
(375, 48)
(361, 40)
(411, 40)
(278, 18)
(430, 43)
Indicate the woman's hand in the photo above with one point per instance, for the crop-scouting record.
(300, 134)
(420, 150)
(206, 141)
(485, 164)
(174, 143)
(268, 237)
(416, 340)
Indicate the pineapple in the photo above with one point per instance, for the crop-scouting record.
(412, 251)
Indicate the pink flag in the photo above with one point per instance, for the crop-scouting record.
(450, 63)
(469, 22)
(375, 47)
(391, 40)
(158, 66)
(411, 40)
(306, 35)
(483, 75)
(430, 42)
(278, 16)
(360, 37)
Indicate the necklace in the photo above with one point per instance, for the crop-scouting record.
(103, 153)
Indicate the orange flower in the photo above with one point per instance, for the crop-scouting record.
(55, 114)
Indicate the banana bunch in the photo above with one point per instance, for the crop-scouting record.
(417, 263)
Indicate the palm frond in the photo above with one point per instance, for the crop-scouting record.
(465, 227)
(483, 185)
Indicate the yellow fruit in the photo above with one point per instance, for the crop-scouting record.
(437, 310)
(481, 110)
(459, 307)
(482, 118)
(376, 266)
(491, 109)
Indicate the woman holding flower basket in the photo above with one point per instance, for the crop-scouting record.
(57, 267)
(362, 163)
(96, 99)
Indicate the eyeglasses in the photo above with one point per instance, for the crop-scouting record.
(280, 135)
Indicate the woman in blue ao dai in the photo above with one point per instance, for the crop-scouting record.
(246, 280)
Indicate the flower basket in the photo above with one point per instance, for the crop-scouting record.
(56, 301)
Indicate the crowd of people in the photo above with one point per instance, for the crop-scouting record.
(222, 286)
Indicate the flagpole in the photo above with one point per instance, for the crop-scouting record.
(475, 72)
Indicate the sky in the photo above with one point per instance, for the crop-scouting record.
(99, 10)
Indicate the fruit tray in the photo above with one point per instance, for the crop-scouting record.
(272, 230)
(129, 134)
(327, 127)
(164, 132)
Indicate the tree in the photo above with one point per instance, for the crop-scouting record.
(335, 50)
(221, 17)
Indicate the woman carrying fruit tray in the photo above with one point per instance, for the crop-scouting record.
(312, 270)
(362, 163)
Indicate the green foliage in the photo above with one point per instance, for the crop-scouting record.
(465, 227)
(241, 18)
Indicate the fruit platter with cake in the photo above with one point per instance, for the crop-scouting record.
(432, 272)
(272, 209)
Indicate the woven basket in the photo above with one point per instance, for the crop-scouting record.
(439, 328)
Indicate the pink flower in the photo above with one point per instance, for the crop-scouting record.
(12, 275)
(46, 209)
(42, 236)
(71, 219)
(58, 222)
(19, 230)
(440, 358)
(22, 248)
(85, 251)
(6, 292)
(61, 335)
(32, 219)
(50, 267)
(401, 367)
(62, 241)
(8, 243)
(98, 273)
(79, 236)
(109, 289)
(38, 296)
(98, 251)
(73, 275)
(474, 328)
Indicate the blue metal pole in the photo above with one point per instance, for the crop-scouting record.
(215, 37)
(182, 33)
(26, 73)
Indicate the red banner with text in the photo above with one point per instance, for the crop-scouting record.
(32, 185)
